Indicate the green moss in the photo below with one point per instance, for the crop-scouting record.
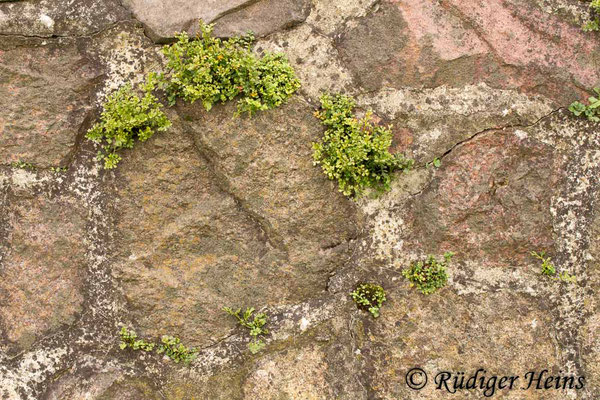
(355, 152)
(212, 70)
(369, 297)
(429, 275)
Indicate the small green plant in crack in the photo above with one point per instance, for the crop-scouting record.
(593, 24)
(23, 165)
(129, 339)
(436, 162)
(548, 269)
(369, 297)
(591, 111)
(429, 275)
(211, 70)
(175, 350)
(127, 117)
(254, 323)
(58, 170)
(353, 151)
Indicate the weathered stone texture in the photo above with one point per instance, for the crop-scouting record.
(43, 268)
(51, 18)
(230, 211)
(163, 19)
(45, 91)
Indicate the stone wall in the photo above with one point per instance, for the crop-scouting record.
(223, 211)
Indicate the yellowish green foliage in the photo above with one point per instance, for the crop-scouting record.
(127, 117)
(353, 151)
(211, 70)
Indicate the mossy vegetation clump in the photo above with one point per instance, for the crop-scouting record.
(369, 297)
(429, 275)
(127, 118)
(353, 151)
(211, 70)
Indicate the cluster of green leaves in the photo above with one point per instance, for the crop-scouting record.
(23, 165)
(548, 269)
(255, 325)
(369, 297)
(58, 170)
(354, 151)
(127, 117)
(590, 111)
(429, 275)
(594, 23)
(175, 350)
(129, 339)
(212, 70)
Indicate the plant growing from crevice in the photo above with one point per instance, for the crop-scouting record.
(211, 70)
(23, 165)
(129, 339)
(591, 111)
(175, 350)
(353, 151)
(58, 170)
(593, 24)
(255, 324)
(429, 275)
(548, 268)
(127, 117)
(369, 297)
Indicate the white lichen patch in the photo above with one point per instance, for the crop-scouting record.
(313, 57)
(34, 367)
(47, 21)
(127, 61)
(329, 15)
(478, 101)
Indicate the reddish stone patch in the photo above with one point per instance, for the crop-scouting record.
(490, 201)
(508, 45)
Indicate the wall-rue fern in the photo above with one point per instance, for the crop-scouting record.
(127, 117)
(175, 350)
(369, 297)
(129, 339)
(548, 269)
(353, 151)
(212, 70)
(169, 345)
(254, 325)
(590, 111)
(429, 275)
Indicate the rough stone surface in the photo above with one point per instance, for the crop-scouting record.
(52, 18)
(163, 19)
(223, 211)
(45, 94)
(43, 268)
